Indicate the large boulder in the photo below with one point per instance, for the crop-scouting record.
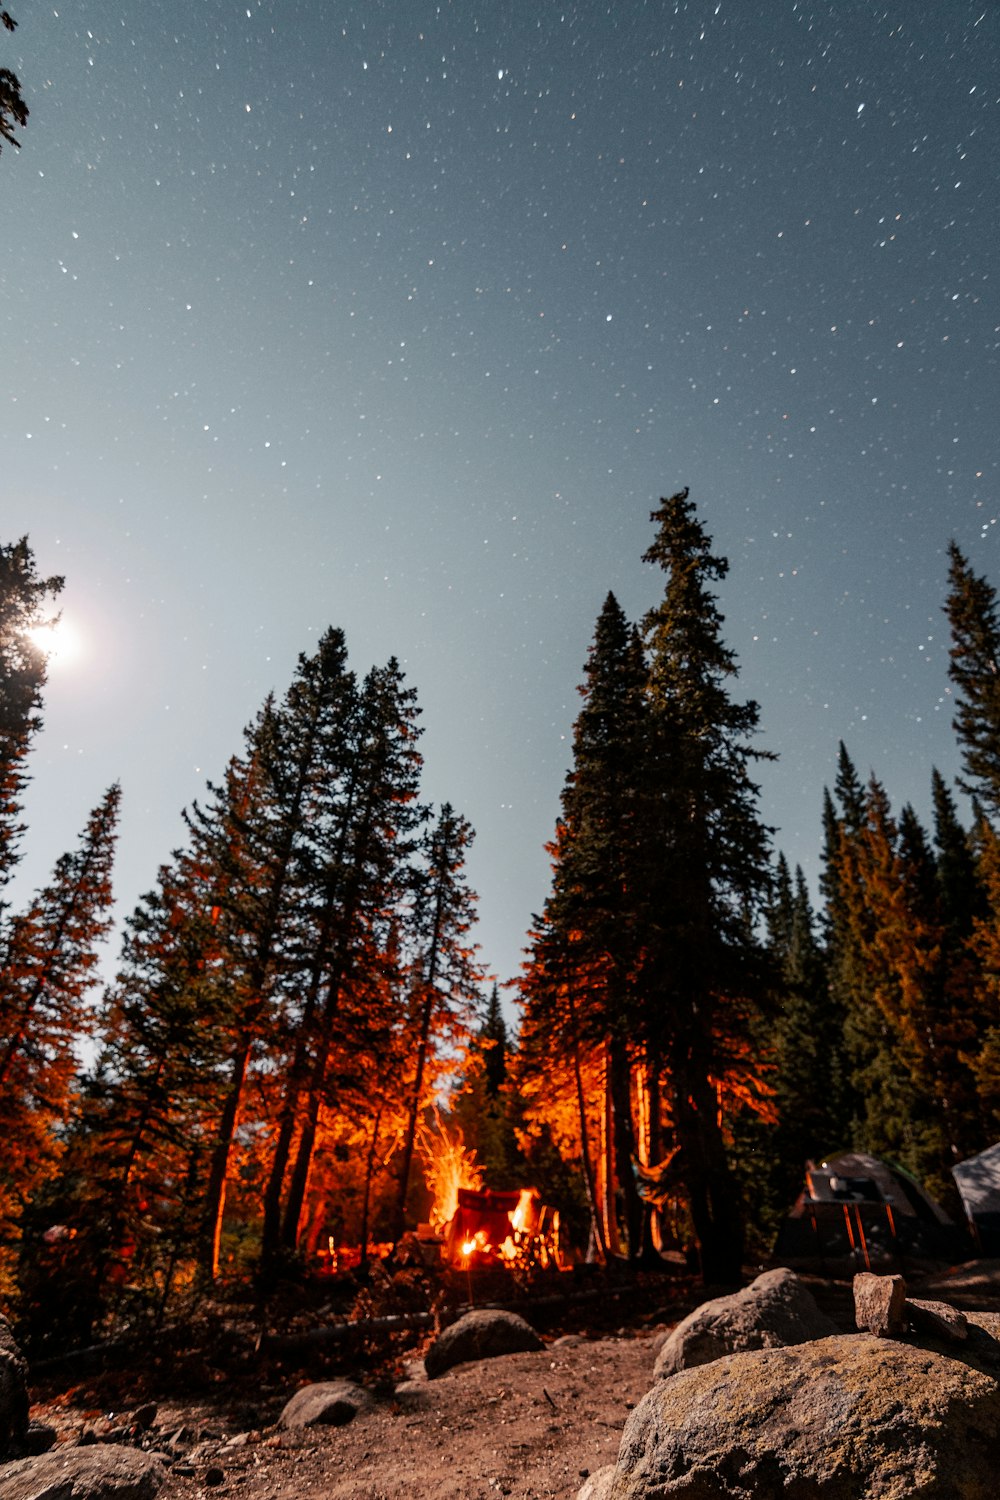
(482, 1334)
(13, 1394)
(772, 1312)
(850, 1417)
(331, 1403)
(101, 1472)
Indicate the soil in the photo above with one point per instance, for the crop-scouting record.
(521, 1425)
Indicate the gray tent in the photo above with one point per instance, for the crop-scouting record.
(978, 1179)
(857, 1213)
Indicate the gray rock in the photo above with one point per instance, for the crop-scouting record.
(597, 1486)
(837, 1419)
(331, 1403)
(772, 1312)
(13, 1393)
(95, 1473)
(482, 1334)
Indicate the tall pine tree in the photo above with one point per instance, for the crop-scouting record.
(704, 963)
(974, 668)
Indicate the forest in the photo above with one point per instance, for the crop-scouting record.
(300, 1057)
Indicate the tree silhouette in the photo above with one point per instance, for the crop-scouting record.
(13, 110)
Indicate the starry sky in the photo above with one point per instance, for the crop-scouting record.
(401, 316)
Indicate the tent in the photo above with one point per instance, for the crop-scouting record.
(978, 1181)
(857, 1213)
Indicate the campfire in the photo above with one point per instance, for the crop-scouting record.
(491, 1227)
(480, 1226)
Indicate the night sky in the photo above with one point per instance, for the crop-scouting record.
(402, 317)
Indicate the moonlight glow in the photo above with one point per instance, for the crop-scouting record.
(60, 640)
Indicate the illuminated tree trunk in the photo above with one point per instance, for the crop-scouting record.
(624, 1143)
(366, 1197)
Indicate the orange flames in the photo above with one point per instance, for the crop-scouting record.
(448, 1166)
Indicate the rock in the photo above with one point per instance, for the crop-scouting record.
(834, 1419)
(482, 1334)
(94, 1473)
(598, 1485)
(878, 1304)
(13, 1393)
(39, 1438)
(414, 1395)
(144, 1416)
(772, 1312)
(331, 1403)
(937, 1318)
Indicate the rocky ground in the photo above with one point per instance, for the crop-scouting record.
(524, 1425)
(527, 1425)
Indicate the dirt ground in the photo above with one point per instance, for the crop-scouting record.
(526, 1426)
(522, 1425)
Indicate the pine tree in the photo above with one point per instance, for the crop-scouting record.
(362, 848)
(807, 1039)
(974, 668)
(580, 981)
(493, 1036)
(253, 838)
(704, 964)
(961, 894)
(444, 978)
(49, 971)
(13, 110)
(23, 597)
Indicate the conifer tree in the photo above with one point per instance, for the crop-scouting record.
(493, 1034)
(488, 1107)
(13, 110)
(974, 668)
(960, 891)
(252, 836)
(132, 1183)
(580, 984)
(362, 867)
(23, 597)
(807, 1041)
(45, 983)
(703, 964)
(444, 978)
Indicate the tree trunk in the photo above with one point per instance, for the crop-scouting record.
(399, 1219)
(624, 1143)
(215, 1196)
(367, 1195)
(609, 1207)
(588, 1171)
(713, 1193)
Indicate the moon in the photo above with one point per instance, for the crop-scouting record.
(60, 640)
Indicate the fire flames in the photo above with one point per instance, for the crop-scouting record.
(448, 1168)
(505, 1227)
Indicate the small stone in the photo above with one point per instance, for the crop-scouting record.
(879, 1303)
(144, 1416)
(938, 1318)
(215, 1476)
